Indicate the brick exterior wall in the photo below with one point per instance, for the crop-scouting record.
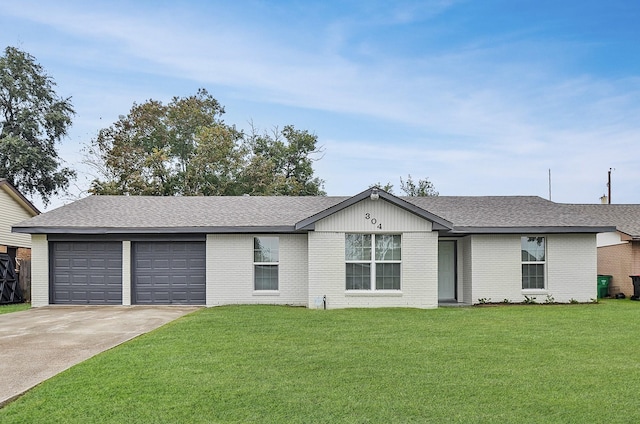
(620, 261)
(464, 265)
(496, 270)
(419, 286)
(230, 271)
(572, 267)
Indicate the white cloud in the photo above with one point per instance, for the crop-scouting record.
(490, 116)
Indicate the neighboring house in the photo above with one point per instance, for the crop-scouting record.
(369, 250)
(618, 251)
(14, 207)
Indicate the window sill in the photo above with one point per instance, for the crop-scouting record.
(534, 291)
(266, 293)
(370, 293)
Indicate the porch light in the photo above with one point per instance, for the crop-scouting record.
(374, 194)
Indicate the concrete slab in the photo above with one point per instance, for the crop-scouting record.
(41, 342)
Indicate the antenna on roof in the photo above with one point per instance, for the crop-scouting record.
(549, 184)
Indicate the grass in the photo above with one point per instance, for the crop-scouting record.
(15, 307)
(538, 363)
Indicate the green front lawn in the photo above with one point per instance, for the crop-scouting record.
(14, 307)
(540, 363)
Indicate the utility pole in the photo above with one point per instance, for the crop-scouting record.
(609, 186)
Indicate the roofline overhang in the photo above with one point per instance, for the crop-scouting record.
(533, 230)
(626, 236)
(18, 197)
(157, 230)
(438, 222)
(290, 229)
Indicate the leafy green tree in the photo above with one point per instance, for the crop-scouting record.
(422, 188)
(150, 151)
(410, 188)
(33, 118)
(388, 187)
(281, 163)
(185, 148)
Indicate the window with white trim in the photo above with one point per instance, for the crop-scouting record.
(533, 262)
(265, 263)
(373, 257)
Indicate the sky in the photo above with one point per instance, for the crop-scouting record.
(479, 97)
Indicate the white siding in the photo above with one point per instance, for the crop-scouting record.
(230, 271)
(126, 272)
(391, 218)
(572, 267)
(39, 270)
(11, 212)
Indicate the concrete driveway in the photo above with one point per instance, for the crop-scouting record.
(41, 342)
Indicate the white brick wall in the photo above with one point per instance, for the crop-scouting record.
(39, 270)
(326, 269)
(570, 268)
(230, 271)
(465, 264)
(419, 286)
(496, 268)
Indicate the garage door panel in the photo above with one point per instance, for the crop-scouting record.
(86, 273)
(180, 263)
(169, 272)
(160, 265)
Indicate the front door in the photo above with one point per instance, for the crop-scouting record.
(446, 270)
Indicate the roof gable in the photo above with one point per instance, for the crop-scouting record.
(18, 197)
(375, 194)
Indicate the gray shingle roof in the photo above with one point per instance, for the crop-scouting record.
(146, 214)
(505, 211)
(626, 218)
(130, 213)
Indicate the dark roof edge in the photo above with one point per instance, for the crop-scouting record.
(154, 230)
(19, 197)
(441, 223)
(534, 230)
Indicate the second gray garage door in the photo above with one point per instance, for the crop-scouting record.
(169, 273)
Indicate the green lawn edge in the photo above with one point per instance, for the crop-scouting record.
(537, 363)
(14, 307)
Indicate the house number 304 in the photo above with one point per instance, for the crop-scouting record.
(373, 221)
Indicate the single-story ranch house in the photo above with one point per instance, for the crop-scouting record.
(369, 250)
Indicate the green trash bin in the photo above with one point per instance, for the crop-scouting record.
(603, 285)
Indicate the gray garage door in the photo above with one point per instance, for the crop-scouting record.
(169, 273)
(86, 273)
